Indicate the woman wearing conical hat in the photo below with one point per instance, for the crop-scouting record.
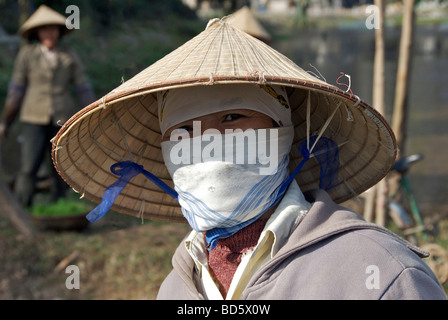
(229, 135)
(44, 73)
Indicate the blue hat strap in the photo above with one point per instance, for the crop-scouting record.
(126, 170)
(326, 151)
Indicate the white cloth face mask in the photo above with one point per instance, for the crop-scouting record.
(226, 181)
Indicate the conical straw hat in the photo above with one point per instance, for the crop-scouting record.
(123, 125)
(243, 19)
(41, 17)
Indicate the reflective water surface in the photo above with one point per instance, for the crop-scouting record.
(351, 50)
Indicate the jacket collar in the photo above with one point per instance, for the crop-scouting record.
(184, 265)
(324, 219)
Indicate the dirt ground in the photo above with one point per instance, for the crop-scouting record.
(118, 258)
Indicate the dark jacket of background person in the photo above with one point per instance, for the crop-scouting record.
(45, 90)
(41, 92)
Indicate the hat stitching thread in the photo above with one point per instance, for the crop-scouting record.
(320, 76)
(142, 210)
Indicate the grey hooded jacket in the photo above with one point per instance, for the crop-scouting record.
(332, 254)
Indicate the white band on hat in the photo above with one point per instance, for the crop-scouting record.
(182, 104)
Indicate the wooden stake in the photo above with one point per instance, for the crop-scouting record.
(378, 101)
(12, 210)
(379, 104)
(400, 112)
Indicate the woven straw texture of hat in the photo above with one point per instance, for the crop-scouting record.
(41, 17)
(123, 125)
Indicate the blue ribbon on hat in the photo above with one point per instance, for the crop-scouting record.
(126, 170)
(325, 151)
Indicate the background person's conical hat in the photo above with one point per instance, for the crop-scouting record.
(41, 17)
(124, 125)
(243, 19)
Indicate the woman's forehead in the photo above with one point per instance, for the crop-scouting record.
(178, 105)
(241, 111)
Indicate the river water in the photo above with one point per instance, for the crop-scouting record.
(350, 49)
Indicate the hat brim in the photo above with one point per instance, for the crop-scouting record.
(43, 16)
(124, 125)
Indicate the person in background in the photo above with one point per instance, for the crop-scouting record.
(40, 92)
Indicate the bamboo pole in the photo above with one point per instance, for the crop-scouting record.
(400, 112)
(379, 103)
(377, 208)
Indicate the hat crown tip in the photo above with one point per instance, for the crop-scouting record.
(212, 22)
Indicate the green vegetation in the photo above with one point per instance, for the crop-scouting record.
(62, 207)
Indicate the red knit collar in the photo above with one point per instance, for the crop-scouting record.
(225, 258)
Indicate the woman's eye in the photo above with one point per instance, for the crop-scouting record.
(185, 127)
(233, 116)
(181, 130)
